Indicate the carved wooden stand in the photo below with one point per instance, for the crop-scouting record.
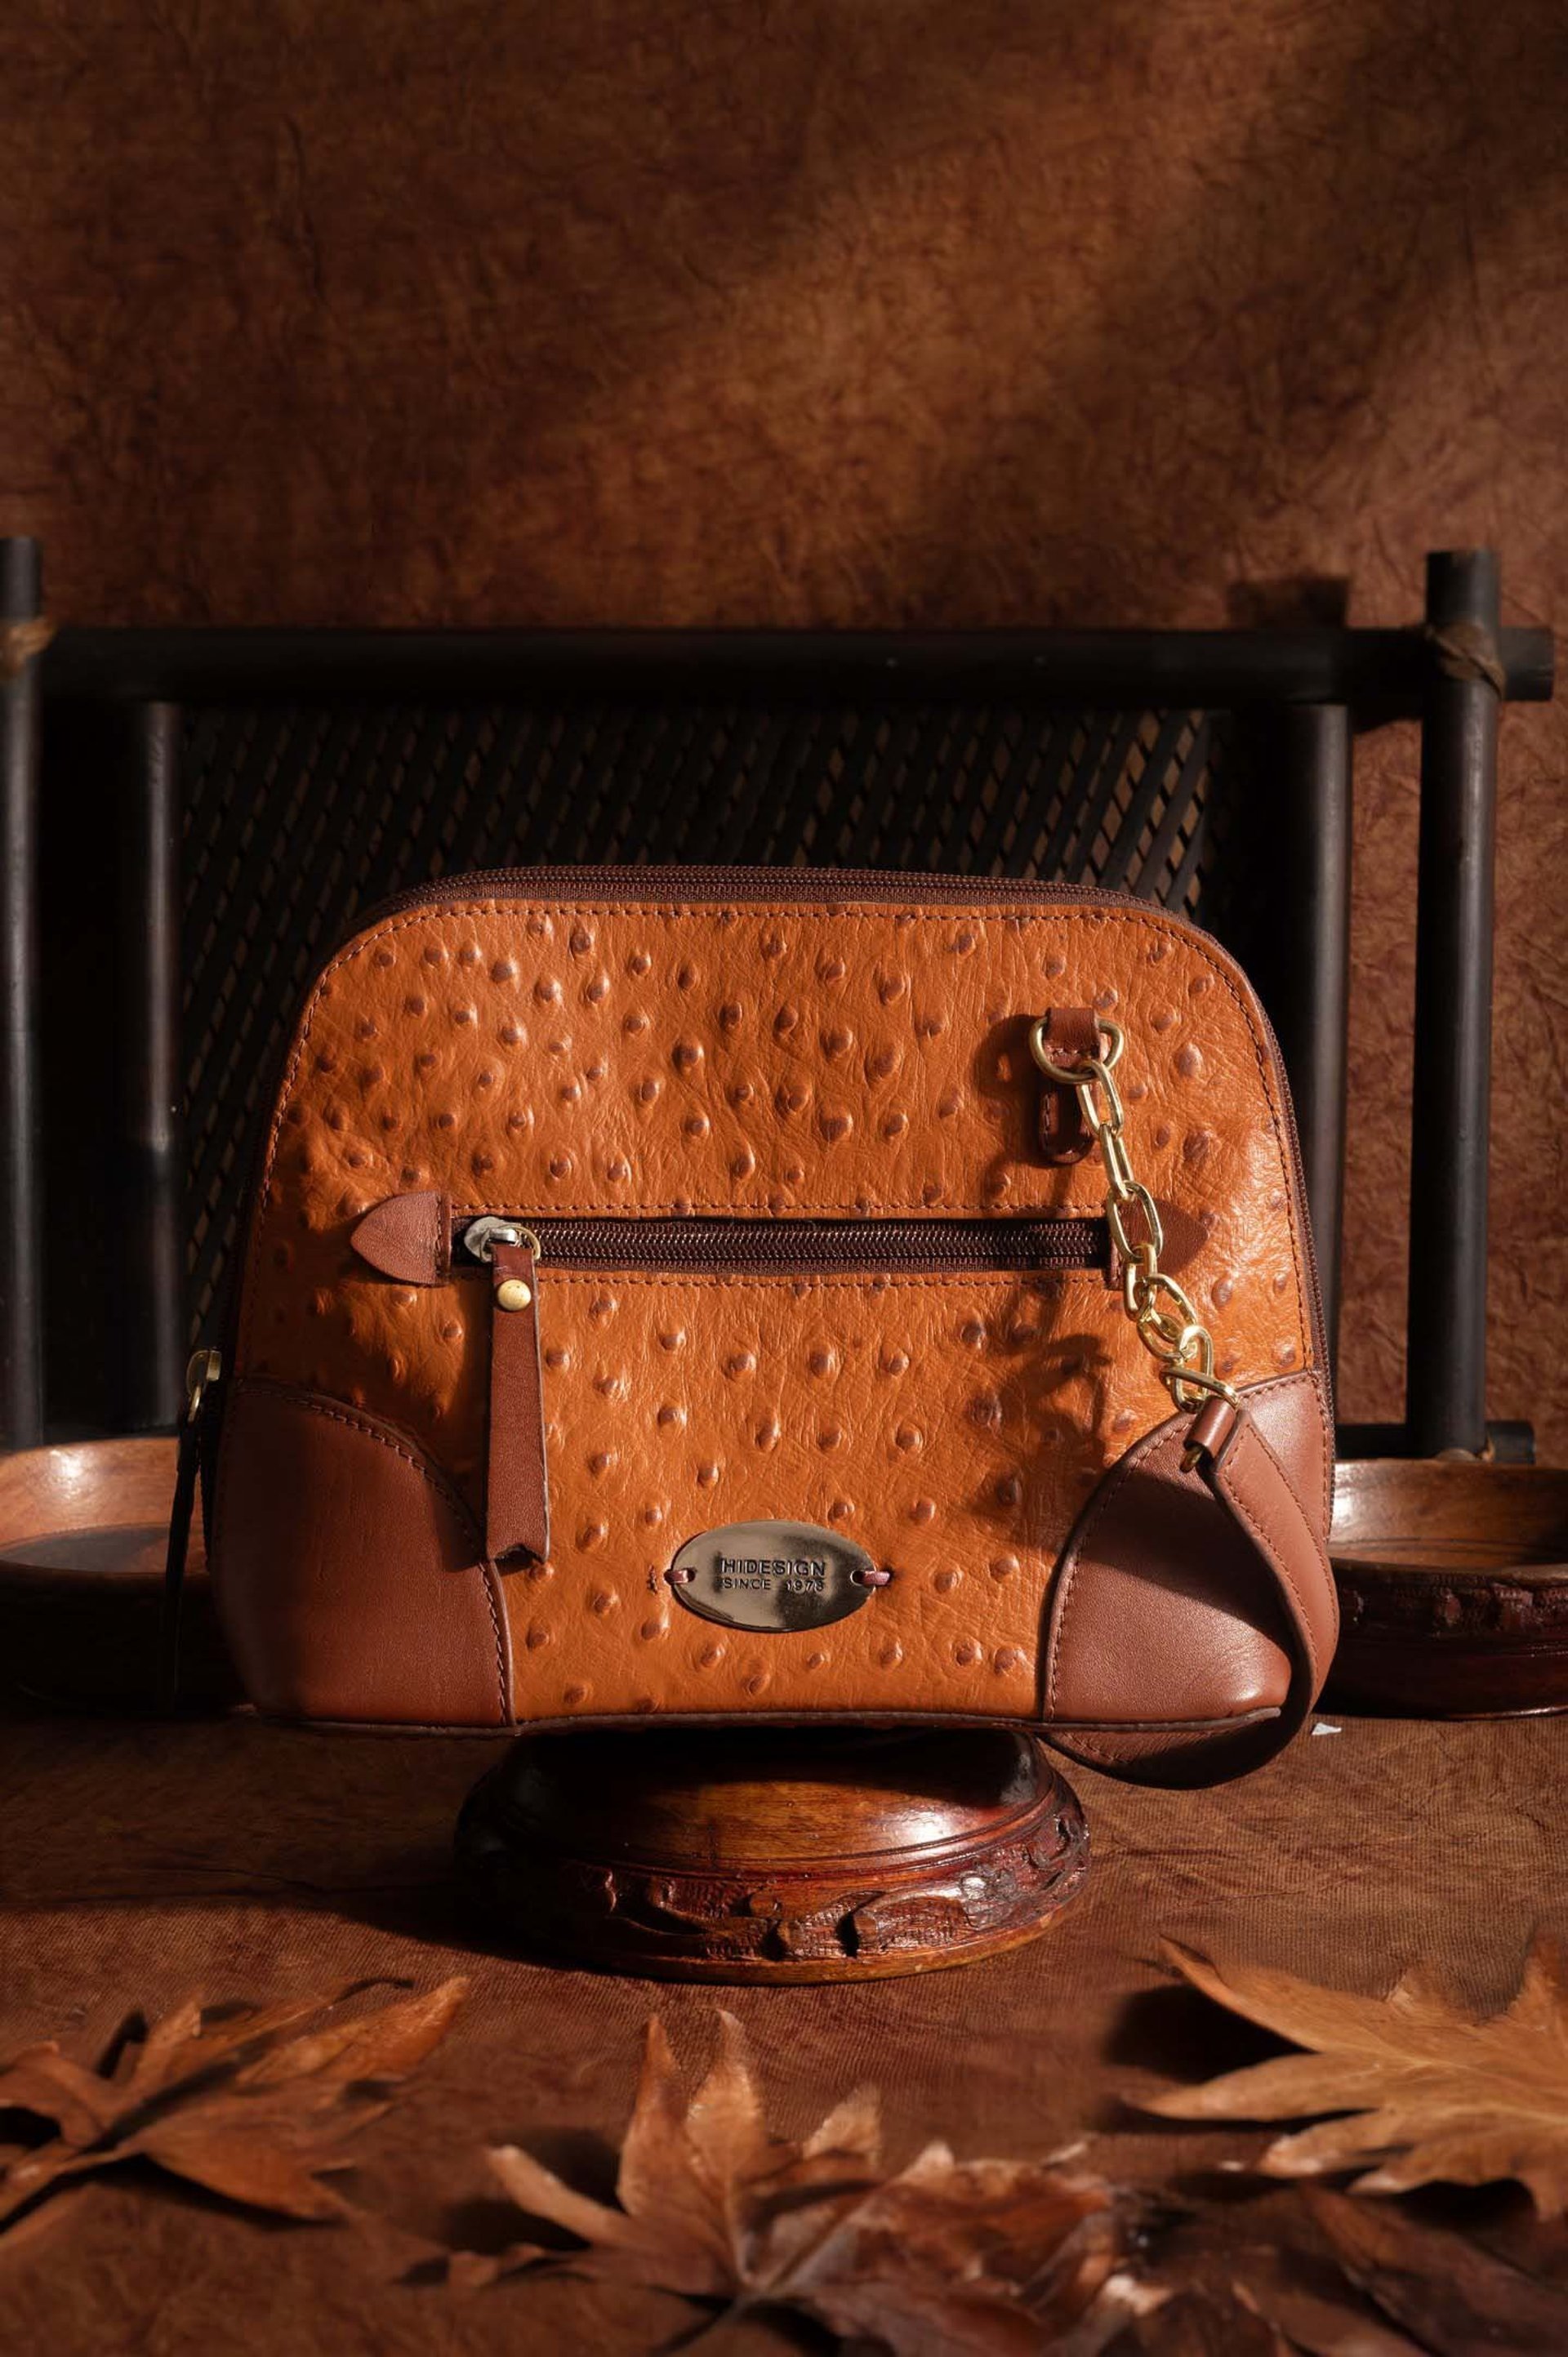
(756, 1854)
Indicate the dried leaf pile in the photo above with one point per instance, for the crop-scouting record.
(944, 2259)
(234, 2103)
(991, 2258)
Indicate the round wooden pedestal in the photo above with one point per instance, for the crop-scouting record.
(756, 1854)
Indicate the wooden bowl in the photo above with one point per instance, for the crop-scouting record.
(1453, 1588)
(82, 1529)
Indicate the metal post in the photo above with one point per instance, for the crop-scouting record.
(1446, 1372)
(21, 1288)
(148, 1197)
(1312, 1010)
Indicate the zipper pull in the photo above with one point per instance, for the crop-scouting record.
(517, 1483)
(481, 1236)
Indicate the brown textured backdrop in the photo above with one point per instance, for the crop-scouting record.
(670, 311)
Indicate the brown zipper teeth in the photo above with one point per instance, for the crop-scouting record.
(808, 1247)
(696, 884)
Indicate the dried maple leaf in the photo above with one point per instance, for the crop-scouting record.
(695, 2181)
(1427, 2092)
(945, 2258)
(231, 2104)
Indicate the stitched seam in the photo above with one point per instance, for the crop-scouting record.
(630, 1216)
(1281, 1567)
(1128, 1458)
(502, 1696)
(1312, 1376)
(260, 1387)
(1275, 1461)
(859, 914)
(596, 1206)
(824, 1281)
(1262, 1439)
(1114, 1754)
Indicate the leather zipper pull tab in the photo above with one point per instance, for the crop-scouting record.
(517, 1483)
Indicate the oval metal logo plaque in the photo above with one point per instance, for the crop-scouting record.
(779, 1575)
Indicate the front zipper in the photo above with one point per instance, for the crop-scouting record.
(817, 887)
(797, 1247)
(519, 1253)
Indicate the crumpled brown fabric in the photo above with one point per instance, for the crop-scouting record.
(138, 1863)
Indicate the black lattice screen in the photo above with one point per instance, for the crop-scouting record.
(298, 819)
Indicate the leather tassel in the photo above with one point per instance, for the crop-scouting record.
(517, 1484)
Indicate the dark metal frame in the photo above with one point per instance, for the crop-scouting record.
(21, 1240)
(1312, 687)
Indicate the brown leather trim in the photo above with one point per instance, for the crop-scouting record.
(408, 1237)
(538, 1728)
(1163, 1726)
(349, 1576)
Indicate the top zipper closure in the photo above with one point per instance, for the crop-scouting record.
(695, 885)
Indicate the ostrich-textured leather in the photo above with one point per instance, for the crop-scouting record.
(654, 1049)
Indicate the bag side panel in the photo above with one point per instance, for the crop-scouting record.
(1154, 1554)
(352, 1584)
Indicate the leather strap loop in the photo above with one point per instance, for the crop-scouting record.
(1071, 1033)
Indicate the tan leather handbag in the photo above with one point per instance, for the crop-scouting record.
(725, 1292)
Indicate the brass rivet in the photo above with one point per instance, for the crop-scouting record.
(512, 1294)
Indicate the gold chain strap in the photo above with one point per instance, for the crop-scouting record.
(1168, 1326)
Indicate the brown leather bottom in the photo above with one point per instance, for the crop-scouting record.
(356, 1591)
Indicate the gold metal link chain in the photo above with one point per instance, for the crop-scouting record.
(1168, 1326)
